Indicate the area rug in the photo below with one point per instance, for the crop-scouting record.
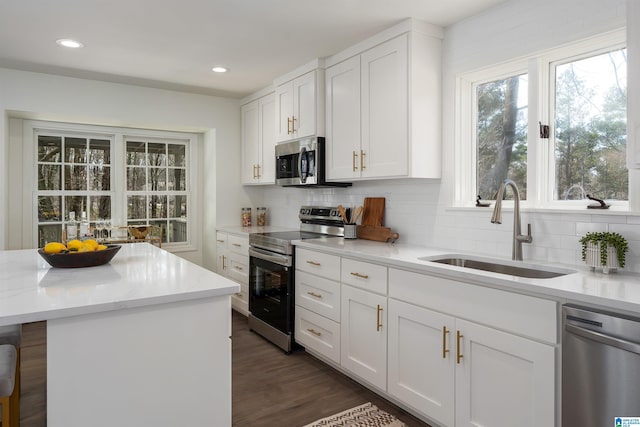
(366, 415)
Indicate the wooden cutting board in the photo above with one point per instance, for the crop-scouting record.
(379, 234)
(373, 211)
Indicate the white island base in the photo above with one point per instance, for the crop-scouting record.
(159, 365)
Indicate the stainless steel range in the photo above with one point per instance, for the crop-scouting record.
(271, 276)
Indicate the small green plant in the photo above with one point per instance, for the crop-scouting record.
(606, 239)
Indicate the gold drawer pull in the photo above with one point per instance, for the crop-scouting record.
(353, 161)
(317, 264)
(379, 325)
(459, 353)
(237, 268)
(362, 154)
(314, 332)
(313, 294)
(362, 276)
(237, 244)
(445, 331)
(221, 241)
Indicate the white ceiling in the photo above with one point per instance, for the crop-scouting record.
(174, 44)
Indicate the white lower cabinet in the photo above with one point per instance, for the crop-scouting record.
(459, 372)
(421, 360)
(233, 262)
(363, 340)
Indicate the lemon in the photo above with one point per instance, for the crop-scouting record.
(101, 248)
(83, 248)
(54, 248)
(92, 244)
(75, 245)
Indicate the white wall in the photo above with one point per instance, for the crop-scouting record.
(48, 97)
(419, 209)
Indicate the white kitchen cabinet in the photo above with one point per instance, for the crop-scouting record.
(363, 340)
(383, 111)
(501, 378)
(459, 372)
(233, 263)
(258, 141)
(422, 360)
(317, 303)
(299, 107)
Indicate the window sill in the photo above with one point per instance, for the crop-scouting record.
(613, 210)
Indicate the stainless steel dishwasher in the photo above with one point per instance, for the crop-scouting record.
(600, 367)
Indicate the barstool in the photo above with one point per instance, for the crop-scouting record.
(12, 335)
(8, 356)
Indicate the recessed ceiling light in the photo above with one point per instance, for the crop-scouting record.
(69, 43)
(219, 69)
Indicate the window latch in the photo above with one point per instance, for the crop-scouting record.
(544, 131)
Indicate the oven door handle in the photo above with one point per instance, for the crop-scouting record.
(283, 260)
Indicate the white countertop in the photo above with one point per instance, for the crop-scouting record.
(619, 291)
(245, 231)
(140, 274)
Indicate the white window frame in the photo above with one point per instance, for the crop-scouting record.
(118, 171)
(540, 68)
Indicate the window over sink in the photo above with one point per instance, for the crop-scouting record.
(555, 123)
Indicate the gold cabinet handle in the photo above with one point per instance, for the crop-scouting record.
(313, 294)
(362, 154)
(362, 276)
(293, 124)
(314, 332)
(445, 350)
(258, 171)
(379, 324)
(254, 171)
(220, 241)
(353, 161)
(317, 264)
(223, 261)
(458, 350)
(236, 244)
(289, 131)
(238, 268)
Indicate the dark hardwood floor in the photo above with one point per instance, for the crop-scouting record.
(269, 387)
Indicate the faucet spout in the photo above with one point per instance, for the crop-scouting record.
(496, 218)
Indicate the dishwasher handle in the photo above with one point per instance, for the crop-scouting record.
(604, 339)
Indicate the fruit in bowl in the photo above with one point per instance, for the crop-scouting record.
(77, 253)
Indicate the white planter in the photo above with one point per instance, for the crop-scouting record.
(593, 258)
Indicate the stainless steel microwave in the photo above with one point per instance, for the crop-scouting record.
(301, 163)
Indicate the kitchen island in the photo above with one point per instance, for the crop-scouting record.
(143, 340)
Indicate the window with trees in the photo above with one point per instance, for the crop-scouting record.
(572, 144)
(111, 176)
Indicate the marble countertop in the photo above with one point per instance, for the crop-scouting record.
(140, 274)
(619, 291)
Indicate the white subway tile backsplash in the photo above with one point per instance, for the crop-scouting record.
(414, 209)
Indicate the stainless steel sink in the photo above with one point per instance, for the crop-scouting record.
(530, 271)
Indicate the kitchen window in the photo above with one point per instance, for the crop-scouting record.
(112, 174)
(554, 123)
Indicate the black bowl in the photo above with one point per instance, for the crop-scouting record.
(80, 259)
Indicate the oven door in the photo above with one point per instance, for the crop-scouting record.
(271, 289)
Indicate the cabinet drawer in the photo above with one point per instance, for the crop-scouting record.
(318, 333)
(238, 244)
(319, 295)
(324, 265)
(238, 267)
(221, 239)
(521, 314)
(364, 275)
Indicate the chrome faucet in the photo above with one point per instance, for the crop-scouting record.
(496, 218)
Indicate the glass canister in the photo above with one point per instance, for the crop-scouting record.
(246, 217)
(261, 216)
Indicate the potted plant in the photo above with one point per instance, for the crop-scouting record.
(606, 250)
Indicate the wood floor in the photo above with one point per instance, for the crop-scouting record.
(269, 387)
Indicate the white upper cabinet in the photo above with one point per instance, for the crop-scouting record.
(300, 107)
(258, 141)
(383, 102)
